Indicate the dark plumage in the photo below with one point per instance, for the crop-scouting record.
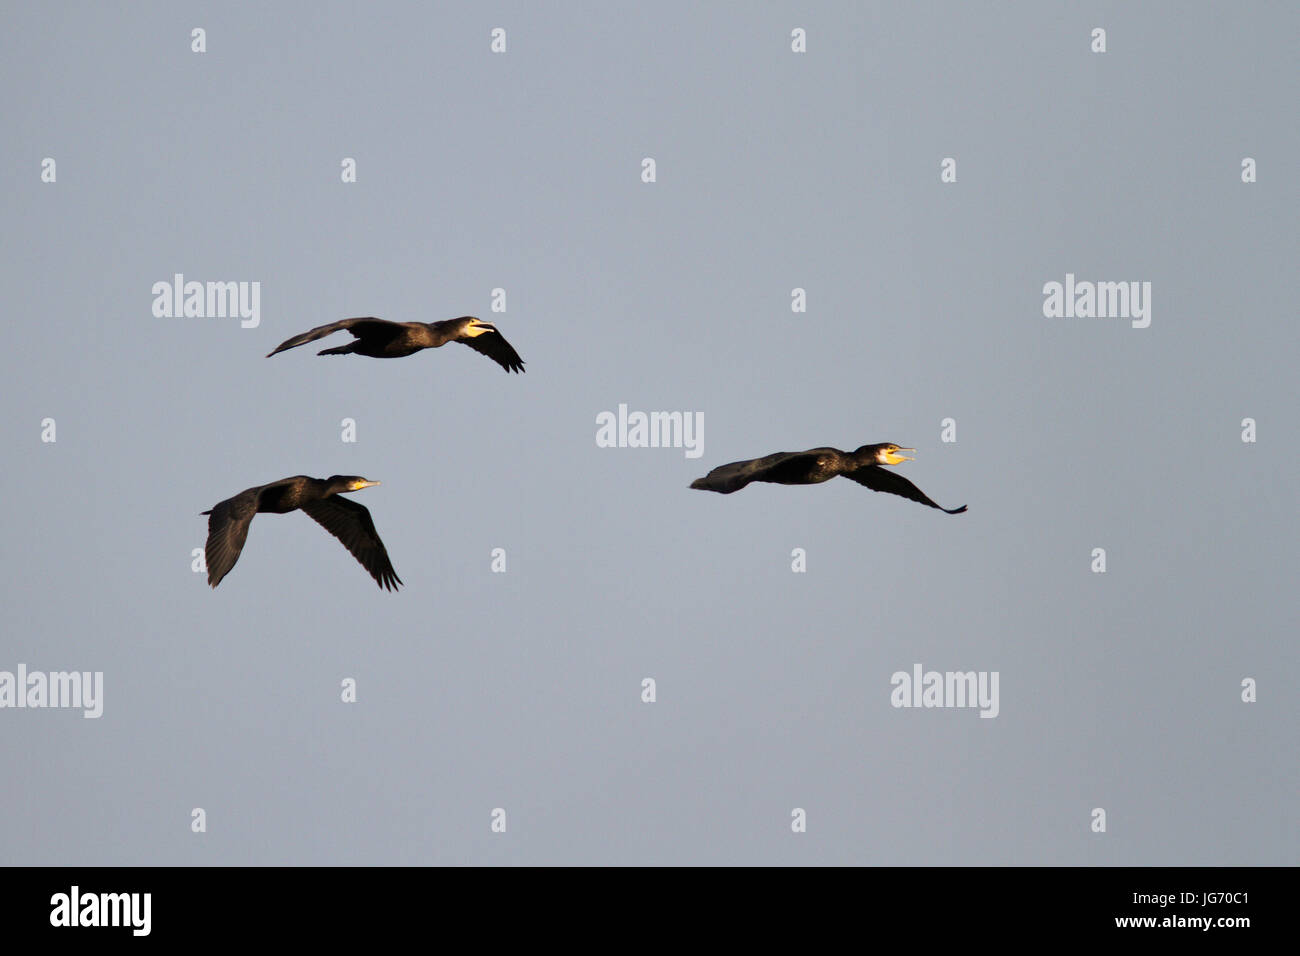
(379, 338)
(865, 466)
(345, 519)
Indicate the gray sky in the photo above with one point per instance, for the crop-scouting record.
(775, 170)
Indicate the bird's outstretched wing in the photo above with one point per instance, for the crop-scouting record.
(878, 478)
(490, 342)
(364, 327)
(228, 523)
(732, 477)
(351, 523)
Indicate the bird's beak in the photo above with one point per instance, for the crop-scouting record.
(894, 458)
(358, 485)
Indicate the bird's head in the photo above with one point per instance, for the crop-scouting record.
(475, 326)
(340, 483)
(886, 453)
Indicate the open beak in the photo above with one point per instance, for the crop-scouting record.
(894, 458)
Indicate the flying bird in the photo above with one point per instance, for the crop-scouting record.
(865, 466)
(379, 338)
(345, 519)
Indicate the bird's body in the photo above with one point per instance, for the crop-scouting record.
(379, 338)
(811, 467)
(348, 521)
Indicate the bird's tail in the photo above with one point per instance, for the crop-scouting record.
(205, 512)
(339, 350)
(721, 486)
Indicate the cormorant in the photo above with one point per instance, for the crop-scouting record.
(865, 466)
(345, 519)
(379, 338)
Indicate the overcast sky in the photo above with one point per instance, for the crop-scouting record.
(774, 171)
